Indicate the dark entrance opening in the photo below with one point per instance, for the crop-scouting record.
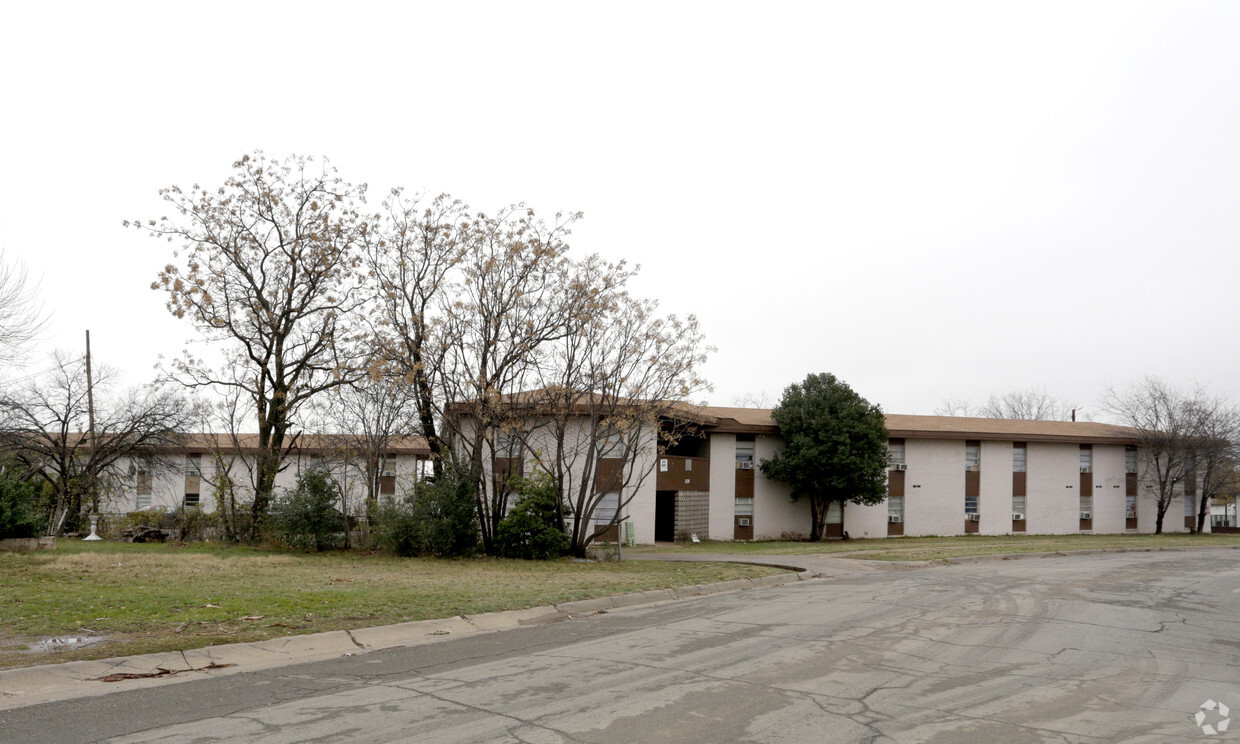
(664, 516)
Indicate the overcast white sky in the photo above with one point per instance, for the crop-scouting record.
(931, 200)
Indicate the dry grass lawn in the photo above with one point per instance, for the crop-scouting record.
(143, 598)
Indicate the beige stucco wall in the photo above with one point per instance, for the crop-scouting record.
(722, 486)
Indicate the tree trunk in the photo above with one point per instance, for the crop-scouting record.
(818, 517)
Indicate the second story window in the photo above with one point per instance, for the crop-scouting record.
(1019, 457)
(744, 455)
(1130, 459)
(972, 456)
(895, 452)
(1087, 458)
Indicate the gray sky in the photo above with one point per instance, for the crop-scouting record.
(931, 200)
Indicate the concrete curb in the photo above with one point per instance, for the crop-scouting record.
(1056, 554)
(53, 682)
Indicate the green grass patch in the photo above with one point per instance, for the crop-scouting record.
(145, 597)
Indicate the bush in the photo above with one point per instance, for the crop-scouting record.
(532, 530)
(19, 512)
(439, 519)
(307, 517)
(195, 525)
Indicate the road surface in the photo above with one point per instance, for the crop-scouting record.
(1099, 648)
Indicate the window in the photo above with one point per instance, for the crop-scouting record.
(1087, 505)
(744, 506)
(895, 507)
(193, 464)
(895, 451)
(144, 489)
(744, 455)
(1087, 458)
(1130, 506)
(191, 501)
(1130, 459)
(972, 455)
(606, 509)
(970, 504)
(1190, 507)
(1018, 504)
(1019, 457)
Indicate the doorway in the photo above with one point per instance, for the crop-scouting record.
(665, 516)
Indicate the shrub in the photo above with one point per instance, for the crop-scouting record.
(195, 525)
(438, 519)
(19, 512)
(307, 517)
(532, 531)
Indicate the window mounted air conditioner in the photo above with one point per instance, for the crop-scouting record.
(744, 465)
(971, 468)
(1086, 469)
(1018, 517)
(1131, 514)
(1087, 515)
(899, 466)
(974, 517)
(895, 519)
(742, 522)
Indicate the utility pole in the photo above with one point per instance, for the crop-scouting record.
(90, 415)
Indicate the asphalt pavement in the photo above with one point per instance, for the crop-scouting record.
(1099, 648)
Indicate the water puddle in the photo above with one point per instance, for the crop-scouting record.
(65, 643)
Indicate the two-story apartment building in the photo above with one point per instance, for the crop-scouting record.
(185, 475)
(947, 476)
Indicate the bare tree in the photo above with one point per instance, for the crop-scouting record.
(411, 255)
(754, 400)
(21, 316)
(45, 421)
(1031, 404)
(359, 426)
(508, 306)
(1214, 455)
(614, 394)
(268, 275)
(956, 407)
(1167, 424)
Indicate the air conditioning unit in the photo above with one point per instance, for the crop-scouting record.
(899, 466)
(1018, 517)
(744, 465)
(971, 468)
(1131, 514)
(895, 519)
(973, 517)
(1087, 515)
(742, 522)
(1087, 470)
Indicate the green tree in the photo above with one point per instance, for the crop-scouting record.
(835, 446)
(308, 517)
(532, 531)
(19, 512)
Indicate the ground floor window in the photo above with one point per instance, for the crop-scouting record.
(1087, 506)
(744, 506)
(191, 501)
(895, 508)
(970, 504)
(1130, 506)
(1018, 507)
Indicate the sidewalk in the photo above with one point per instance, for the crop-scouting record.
(52, 682)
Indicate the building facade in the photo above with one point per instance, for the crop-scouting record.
(947, 476)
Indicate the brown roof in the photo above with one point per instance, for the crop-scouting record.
(308, 444)
(758, 420)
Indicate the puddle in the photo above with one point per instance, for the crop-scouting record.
(63, 643)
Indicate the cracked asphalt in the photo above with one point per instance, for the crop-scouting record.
(1098, 648)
